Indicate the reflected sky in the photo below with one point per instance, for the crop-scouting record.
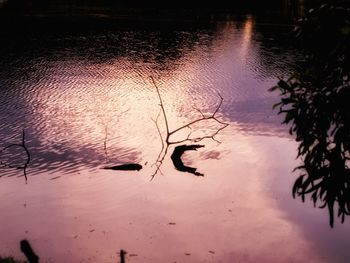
(76, 93)
(86, 100)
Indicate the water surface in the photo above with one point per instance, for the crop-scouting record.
(85, 100)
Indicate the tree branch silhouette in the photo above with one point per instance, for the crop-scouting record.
(315, 103)
(21, 145)
(166, 139)
(105, 124)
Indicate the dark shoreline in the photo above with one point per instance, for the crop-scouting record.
(45, 22)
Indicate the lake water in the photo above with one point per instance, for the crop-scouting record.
(85, 100)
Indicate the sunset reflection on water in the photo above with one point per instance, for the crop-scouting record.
(85, 104)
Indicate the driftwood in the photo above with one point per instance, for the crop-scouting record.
(176, 158)
(125, 167)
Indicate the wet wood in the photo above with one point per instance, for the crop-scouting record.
(125, 167)
(176, 158)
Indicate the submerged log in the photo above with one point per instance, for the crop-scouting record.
(176, 158)
(125, 167)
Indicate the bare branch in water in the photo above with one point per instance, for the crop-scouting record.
(22, 145)
(162, 108)
(106, 139)
(166, 142)
(105, 143)
(160, 136)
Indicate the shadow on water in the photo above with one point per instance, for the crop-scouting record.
(314, 101)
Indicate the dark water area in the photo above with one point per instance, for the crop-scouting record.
(82, 93)
(83, 11)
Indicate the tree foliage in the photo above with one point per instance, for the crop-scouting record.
(315, 101)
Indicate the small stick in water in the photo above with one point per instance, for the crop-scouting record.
(122, 256)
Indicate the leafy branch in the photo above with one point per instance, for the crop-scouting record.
(315, 104)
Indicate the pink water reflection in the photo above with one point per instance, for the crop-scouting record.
(231, 212)
(240, 211)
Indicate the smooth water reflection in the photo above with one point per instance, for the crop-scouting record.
(86, 100)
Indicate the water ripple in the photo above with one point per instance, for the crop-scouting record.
(87, 100)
